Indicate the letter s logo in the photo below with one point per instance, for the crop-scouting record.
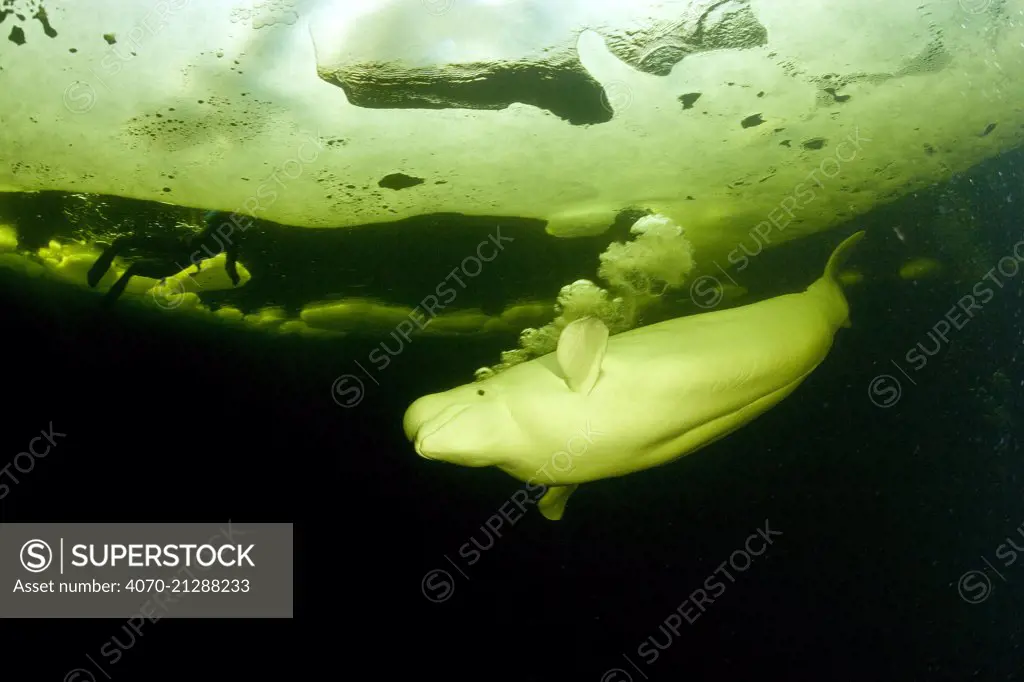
(36, 556)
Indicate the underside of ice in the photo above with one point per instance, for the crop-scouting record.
(775, 118)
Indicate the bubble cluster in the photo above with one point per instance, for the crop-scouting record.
(263, 13)
(576, 300)
(184, 126)
(659, 258)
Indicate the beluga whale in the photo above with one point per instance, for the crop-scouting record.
(604, 406)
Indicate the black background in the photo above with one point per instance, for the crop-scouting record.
(880, 510)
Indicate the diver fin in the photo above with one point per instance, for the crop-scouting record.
(231, 264)
(552, 505)
(101, 265)
(119, 286)
(581, 348)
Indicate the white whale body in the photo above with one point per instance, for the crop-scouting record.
(601, 407)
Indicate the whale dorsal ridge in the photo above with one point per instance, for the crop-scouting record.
(581, 348)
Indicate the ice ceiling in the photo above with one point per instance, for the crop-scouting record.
(729, 116)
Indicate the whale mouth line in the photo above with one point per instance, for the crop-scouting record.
(434, 425)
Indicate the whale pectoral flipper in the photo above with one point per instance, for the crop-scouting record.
(552, 505)
(581, 348)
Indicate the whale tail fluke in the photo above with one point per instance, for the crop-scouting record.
(829, 288)
(840, 255)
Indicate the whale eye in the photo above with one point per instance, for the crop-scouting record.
(480, 391)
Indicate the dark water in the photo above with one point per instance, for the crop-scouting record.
(875, 512)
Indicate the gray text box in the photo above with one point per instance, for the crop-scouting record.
(146, 570)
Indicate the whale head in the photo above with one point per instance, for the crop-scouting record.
(476, 424)
(470, 425)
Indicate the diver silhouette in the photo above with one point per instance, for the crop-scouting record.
(160, 256)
